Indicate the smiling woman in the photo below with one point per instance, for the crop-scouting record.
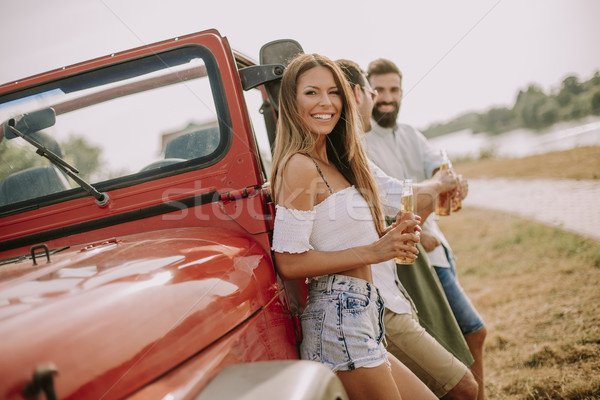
(318, 100)
(329, 229)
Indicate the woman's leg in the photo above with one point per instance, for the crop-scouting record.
(409, 385)
(370, 383)
(384, 383)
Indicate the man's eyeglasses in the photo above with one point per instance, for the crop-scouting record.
(372, 92)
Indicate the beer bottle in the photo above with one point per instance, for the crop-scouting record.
(443, 205)
(406, 205)
(456, 204)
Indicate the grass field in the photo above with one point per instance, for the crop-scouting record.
(537, 287)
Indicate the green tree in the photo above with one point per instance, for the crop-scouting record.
(571, 85)
(564, 98)
(595, 103)
(82, 155)
(528, 106)
(532, 109)
(17, 155)
(465, 121)
(577, 110)
(548, 114)
(595, 80)
(497, 120)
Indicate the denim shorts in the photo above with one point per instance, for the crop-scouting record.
(463, 309)
(342, 324)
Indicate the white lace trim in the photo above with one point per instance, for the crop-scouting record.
(292, 230)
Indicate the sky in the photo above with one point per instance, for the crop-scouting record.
(456, 56)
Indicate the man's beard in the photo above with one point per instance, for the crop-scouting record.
(386, 119)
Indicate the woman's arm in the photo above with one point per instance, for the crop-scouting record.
(315, 263)
(300, 186)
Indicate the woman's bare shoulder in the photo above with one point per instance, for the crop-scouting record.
(301, 161)
(300, 166)
(298, 184)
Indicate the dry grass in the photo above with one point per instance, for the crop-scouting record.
(538, 289)
(578, 163)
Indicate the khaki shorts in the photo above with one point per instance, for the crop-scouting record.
(421, 353)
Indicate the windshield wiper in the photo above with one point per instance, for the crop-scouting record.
(26, 124)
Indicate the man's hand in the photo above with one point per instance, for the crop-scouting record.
(445, 180)
(429, 241)
(463, 187)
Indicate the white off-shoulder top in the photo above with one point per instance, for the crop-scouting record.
(341, 221)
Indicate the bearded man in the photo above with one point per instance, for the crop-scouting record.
(403, 152)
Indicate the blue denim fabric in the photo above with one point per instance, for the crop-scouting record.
(342, 324)
(464, 311)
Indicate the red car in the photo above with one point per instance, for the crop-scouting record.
(135, 255)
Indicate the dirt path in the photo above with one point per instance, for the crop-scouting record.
(569, 204)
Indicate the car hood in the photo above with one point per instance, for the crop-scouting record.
(119, 313)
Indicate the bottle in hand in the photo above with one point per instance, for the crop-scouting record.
(406, 205)
(443, 205)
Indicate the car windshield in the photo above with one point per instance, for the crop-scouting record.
(117, 125)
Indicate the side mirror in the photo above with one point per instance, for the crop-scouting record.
(278, 52)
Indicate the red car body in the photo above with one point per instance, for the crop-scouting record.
(153, 294)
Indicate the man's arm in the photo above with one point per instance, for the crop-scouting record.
(429, 241)
(425, 192)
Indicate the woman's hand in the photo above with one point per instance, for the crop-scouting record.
(399, 239)
(403, 216)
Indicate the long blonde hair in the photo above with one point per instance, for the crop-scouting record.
(344, 147)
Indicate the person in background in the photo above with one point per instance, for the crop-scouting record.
(439, 369)
(329, 228)
(403, 152)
